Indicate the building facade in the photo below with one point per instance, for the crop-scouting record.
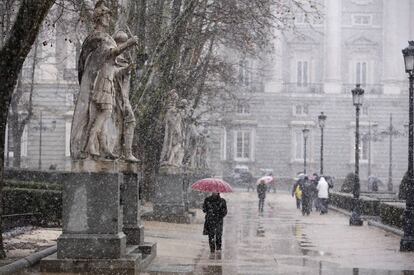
(312, 70)
(49, 74)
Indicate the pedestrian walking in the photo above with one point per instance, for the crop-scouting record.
(247, 179)
(261, 193)
(216, 209)
(272, 184)
(323, 195)
(315, 202)
(307, 190)
(297, 190)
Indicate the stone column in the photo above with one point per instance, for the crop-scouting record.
(396, 22)
(333, 46)
(274, 73)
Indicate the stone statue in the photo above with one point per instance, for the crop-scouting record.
(122, 85)
(172, 153)
(190, 136)
(201, 153)
(94, 107)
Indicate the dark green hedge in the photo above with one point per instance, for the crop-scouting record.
(369, 206)
(392, 214)
(47, 204)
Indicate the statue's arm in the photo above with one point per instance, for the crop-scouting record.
(120, 49)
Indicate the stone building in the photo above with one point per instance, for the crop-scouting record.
(312, 70)
(53, 78)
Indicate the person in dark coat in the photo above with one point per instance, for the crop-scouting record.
(308, 189)
(247, 180)
(261, 193)
(216, 209)
(315, 201)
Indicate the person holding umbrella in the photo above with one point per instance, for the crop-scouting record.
(215, 208)
(261, 193)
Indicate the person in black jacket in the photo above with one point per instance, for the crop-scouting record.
(216, 209)
(261, 193)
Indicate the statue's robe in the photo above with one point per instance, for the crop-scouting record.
(94, 54)
(123, 113)
(172, 150)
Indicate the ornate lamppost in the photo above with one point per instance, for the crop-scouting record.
(321, 119)
(357, 97)
(305, 138)
(407, 241)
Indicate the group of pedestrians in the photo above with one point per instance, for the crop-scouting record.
(311, 192)
(308, 191)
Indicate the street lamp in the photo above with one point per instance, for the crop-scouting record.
(305, 138)
(321, 120)
(357, 98)
(407, 241)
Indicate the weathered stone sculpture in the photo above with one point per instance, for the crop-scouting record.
(97, 67)
(172, 153)
(201, 149)
(101, 233)
(126, 123)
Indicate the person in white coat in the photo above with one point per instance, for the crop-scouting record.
(323, 194)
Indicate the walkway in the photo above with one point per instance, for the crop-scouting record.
(279, 241)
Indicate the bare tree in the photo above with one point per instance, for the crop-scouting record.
(13, 52)
(183, 39)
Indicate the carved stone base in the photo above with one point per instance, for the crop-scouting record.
(105, 166)
(132, 263)
(171, 197)
(134, 234)
(92, 237)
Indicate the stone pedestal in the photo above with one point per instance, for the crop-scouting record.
(132, 225)
(92, 221)
(171, 196)
(93, 238)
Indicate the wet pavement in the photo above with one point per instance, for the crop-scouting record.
(278, 241)
(282, 241)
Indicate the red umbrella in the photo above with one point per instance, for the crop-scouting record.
(212, 185)
(266, 179)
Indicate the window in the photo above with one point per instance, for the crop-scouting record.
(24, 142)
(243, 108)
(364, 149)
(361, 73)
(301, 110)
(243, 145)
(244, 73)
(361, 19)
(302, 78)
(365, 110)
(300, 18)
(68, 125)
(11, 143)
(298, 145)
(6, 141)
(223, 144)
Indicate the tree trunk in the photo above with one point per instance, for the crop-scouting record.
(15, 50)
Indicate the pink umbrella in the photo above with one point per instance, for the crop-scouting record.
(266, 179)
(212, 185)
